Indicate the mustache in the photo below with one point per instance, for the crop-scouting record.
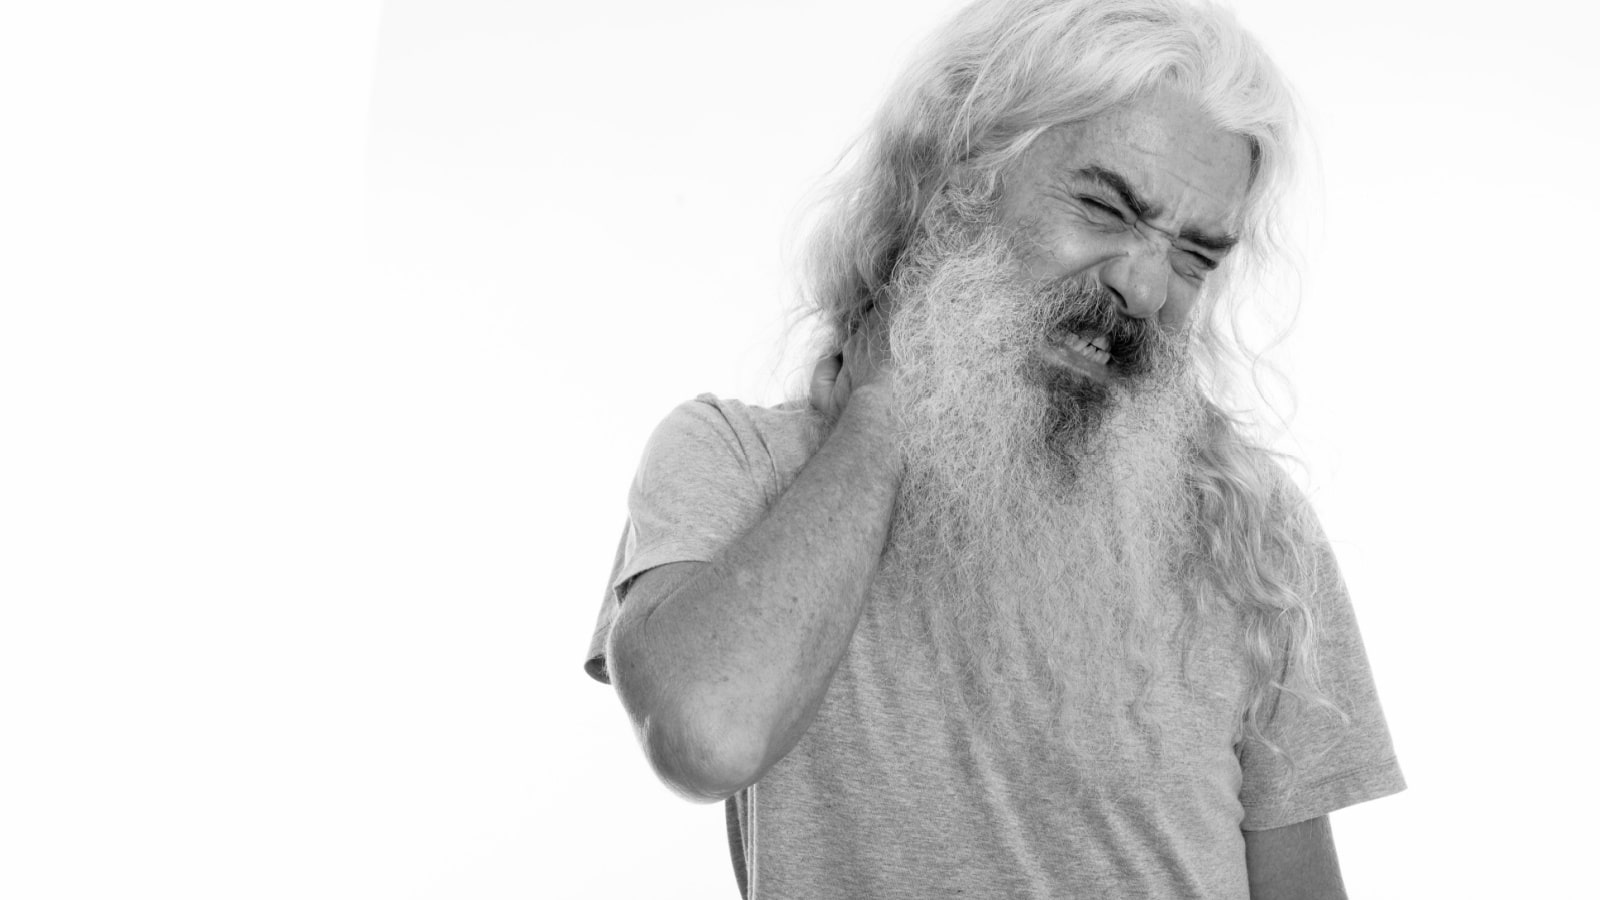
(1088, 308)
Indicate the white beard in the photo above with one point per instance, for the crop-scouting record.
(1039, 530)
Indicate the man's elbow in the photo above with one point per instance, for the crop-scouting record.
(699, 761)
(693, 748)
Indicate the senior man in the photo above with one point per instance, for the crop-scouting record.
(1010, 605)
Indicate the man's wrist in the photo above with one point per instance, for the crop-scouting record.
(870, 417)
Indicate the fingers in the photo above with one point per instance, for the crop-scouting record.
(866, 353)
(864, 359)
(825, 383)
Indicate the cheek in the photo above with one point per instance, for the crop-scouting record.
(1038, 251)
(1182, 298)
(1052, 253)
(1040, 263)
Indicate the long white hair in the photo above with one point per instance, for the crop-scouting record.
(995, 78)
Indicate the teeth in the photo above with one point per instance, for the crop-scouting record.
(1094, 352)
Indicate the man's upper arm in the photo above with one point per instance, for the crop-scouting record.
(694, 492)
(644, 592)
(638, 598)
(1295, 862)
(1339, 760)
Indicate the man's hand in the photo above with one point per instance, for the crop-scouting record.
(863, 361)
(723, 665)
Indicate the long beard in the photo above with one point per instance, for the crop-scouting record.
(1042, 520)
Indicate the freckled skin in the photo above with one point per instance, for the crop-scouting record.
(1190, 172)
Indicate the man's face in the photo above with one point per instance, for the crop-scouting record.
(1142, 201)
(1044, 503)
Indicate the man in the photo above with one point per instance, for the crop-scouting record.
(1008, 605)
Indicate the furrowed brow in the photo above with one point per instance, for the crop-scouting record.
(1115, 183)
(1216, 243)
(1143, 209)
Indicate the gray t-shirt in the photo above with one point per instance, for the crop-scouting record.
(891, 794)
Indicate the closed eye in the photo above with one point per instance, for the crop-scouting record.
(1103, 208)
(1194, 266)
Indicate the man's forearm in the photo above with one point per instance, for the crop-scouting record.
(730, 667)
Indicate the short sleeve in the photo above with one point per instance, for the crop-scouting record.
(1336, 765)
(700, 485)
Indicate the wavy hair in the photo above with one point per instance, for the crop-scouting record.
(997, 76)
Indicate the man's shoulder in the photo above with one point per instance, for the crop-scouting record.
(790, 420)
(776, 438)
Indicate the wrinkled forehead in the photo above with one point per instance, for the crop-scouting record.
(1187, 170)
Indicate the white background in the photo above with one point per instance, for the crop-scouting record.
(332, 332)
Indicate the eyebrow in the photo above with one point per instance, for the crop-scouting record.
(1143, 209)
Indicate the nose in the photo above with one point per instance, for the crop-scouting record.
(1139, 278)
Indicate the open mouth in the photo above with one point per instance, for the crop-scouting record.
(1088, 356)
